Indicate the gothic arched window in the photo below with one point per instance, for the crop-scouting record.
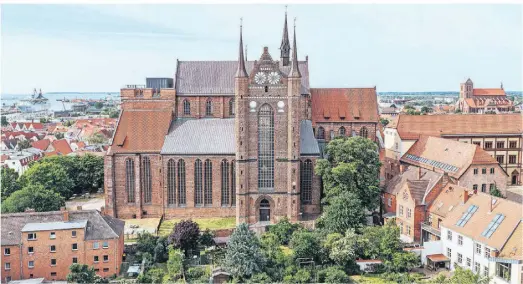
(198, 189)
(306, 181)
(129, 180)
(171, 182)
(342, 131)
(208, 107)
(321, 133)
(364, 132)
(266, 148)
(186, 107)
(182, 196)
(231, 107)
(233, 183)
(225, 182)
(208, 183)
(146, 180)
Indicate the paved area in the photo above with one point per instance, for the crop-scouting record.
(135, 226)
(87, 204)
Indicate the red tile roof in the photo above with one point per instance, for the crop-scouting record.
(61, 147)
(141, 130)
(489, 92)
(41, 144)
(344, 104)
(410, 127)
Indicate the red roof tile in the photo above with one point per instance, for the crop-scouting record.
(41, 144)
(488, 92)
(141, 130)
(344, 104)
(61, 147)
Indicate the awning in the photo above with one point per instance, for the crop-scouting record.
(438, 258)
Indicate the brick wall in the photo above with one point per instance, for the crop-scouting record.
(14, 260)
(349, 127)
(468, 179)
(219, 106)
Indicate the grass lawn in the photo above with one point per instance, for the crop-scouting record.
(369, 279)
(205, 223)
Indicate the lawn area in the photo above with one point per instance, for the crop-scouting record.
(369, 279)
(205, 223)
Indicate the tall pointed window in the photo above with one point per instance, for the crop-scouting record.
(231, 107)
(321, 133)
(266, 148)
(306, 181)
(146, 180)
(129, 180)
(182, 196)
(198, 187)
(186, 107)
(208, 107)
(233, 183)
(171, 182)
(364, 132)
(208, 183)
(225, 182)
(342, 131)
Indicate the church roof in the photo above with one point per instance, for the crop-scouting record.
(205, 78)
(216, 136)
(344, 104)
(489, 92)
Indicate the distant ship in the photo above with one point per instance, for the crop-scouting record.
(36, 103)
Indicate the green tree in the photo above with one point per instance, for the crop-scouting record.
(97, 138)
(82, 273)
(24, 144)
(343, 251)
(283, 230)
(262, 278)
(409, 107)
(413, 112)
(33, 196)
(44, 120)
(403, 262)
(59, 135)
(302, 276)
(114, 114)
(175, 264)
(274, 256)
(185, 235)
(461, 275)
(51, 176)
(4, 121)
(98, 105)
(426, 109)
(244, 256)
(380, 242)
(496, 193)
(9, 182)
(352, 165)
(384, 121)
(305, 244)
(333, 274)
(344, 212)
(146, 243)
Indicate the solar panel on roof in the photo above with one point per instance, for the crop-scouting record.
(494, 224)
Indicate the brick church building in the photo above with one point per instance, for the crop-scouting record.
(230, 138)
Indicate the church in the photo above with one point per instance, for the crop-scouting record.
(231, 138)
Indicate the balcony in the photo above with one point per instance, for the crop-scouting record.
(425, 226)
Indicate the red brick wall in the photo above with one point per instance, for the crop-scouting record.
(349, 127)
(14, 260)
(386, 207)
(220, 106)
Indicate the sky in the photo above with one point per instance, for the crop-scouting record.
(402, 47)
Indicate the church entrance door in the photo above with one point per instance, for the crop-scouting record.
(265, 211)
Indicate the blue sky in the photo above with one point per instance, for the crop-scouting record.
(395, 47)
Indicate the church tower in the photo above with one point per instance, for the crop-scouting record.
(268, 116)
(285, 46)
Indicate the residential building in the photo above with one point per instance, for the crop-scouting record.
(231, 138)
(474, 100)
(500, 135)
(466, 165)
(45, 244)
(484, 235)
(19, 160)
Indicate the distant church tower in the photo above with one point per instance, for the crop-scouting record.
(466, 89)
(285, 47)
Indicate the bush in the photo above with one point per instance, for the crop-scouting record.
(197, 274)
(206, 238)
(284, 230)
(305, 245)
(185, 235)
(175, 263)
(333, 274)
(260, 278)
(146, 243)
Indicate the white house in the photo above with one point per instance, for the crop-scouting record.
(485, 235)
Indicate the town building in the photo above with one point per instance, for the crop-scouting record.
(231, 138)
(499, 134)
(45, 244)
(19, 160)
(484, 234)
(474, 100)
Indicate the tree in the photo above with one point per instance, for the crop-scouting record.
(59, 135)
(9, 182)
(175, 263)
(51, 176)
(4, 121)
(98, 105)
(426, 109)
(379, 242)
(305, 245)
(82, 273)
(333, 274)
(160, 250)
(33, 196)
(114, 114)
(185, 235)
(461, 275)
(352, 165)
(283, 230)
(344, 212)
(496, 193)
(275, 258)
(146, 243)
(403, 262)
(153, 275)
(384, 121)
(409, 107)
(244, 256)
(44, 120)
(97, 138)
(24, 144)
(206, 238)
(343, 251)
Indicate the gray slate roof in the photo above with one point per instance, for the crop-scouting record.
(48, 226)
(98, 227)
(206, 78)
(216, 136)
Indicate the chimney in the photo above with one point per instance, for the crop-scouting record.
(494, 253)
(465, 196)
(65, 213)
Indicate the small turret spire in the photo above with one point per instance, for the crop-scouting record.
(295, 70)
(241, 72)
(285, 46)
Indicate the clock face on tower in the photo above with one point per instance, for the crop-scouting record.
(260, 78)
(274, 78)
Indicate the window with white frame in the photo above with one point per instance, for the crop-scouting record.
(460, 240)
(96, 245)
(486, 252)
(449, 253)
(468, 262)
(52, 235)
(401, 210)
(408, 230)
(7, 251)
(478, 248)
(31, 236)
(409, 213)
(503, 270)
(485, 271)
(449, 235)
(7, 266)
(31, 264)
(477, 267)
(460, 258)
